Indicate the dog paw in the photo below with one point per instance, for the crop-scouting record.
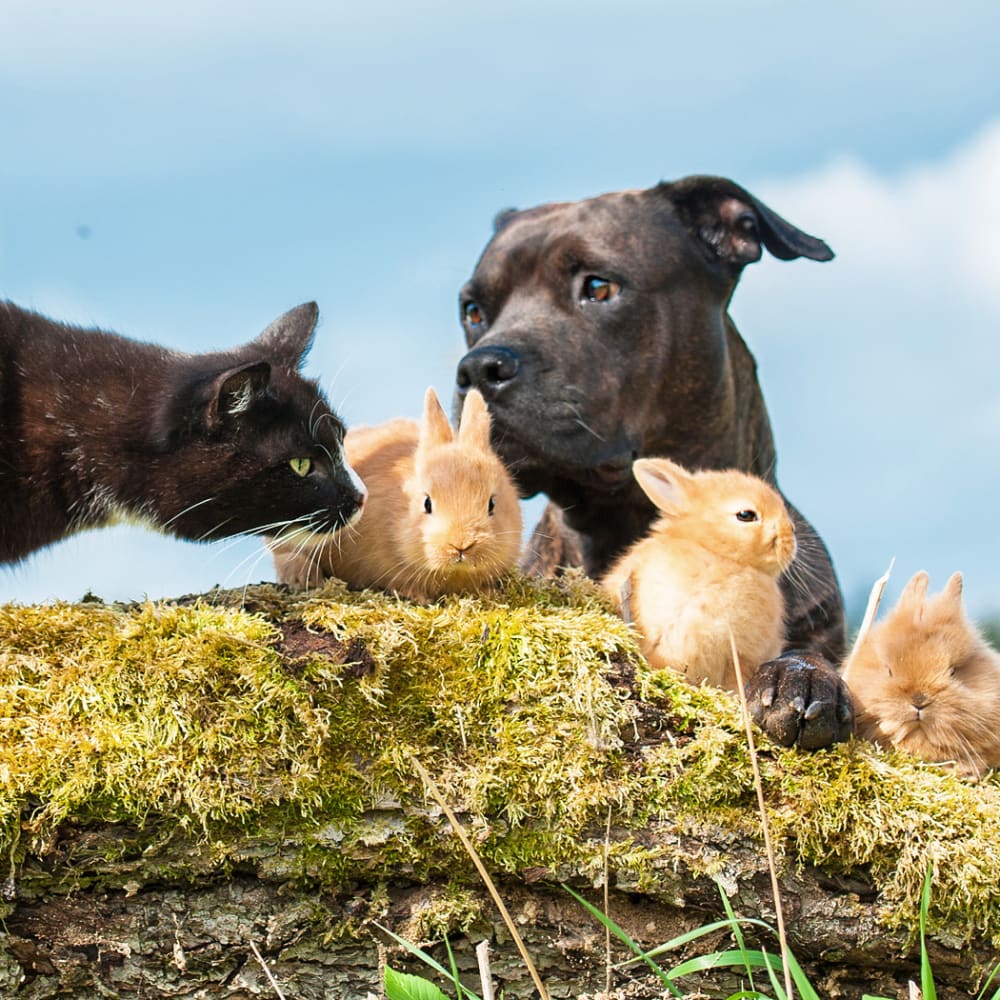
(800, 700)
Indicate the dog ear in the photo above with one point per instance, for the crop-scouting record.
(502, 218)
(734, 224)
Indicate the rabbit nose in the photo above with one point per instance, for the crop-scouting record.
(920, 700)
(460, 550)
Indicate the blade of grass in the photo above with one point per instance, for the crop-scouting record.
(806, 990)
(459, 990)
(731, 914)
(927, 987)
(625, 939)
(982, 993)
(682, 939)
(775, 984)
(428, 960)
(791, 964)
(732, 959)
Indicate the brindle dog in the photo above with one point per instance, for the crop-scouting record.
(598, 332)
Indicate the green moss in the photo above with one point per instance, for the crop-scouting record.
(214, 745)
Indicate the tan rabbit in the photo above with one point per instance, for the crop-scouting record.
(442, 515)
(709, 565)
(924, 679)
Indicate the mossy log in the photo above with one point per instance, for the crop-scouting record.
(185, 786)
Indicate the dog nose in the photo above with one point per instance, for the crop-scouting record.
(488, 369)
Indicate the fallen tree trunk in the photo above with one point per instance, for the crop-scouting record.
(189, 791)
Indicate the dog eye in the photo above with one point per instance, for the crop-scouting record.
(492, 506)
(428, 507)
(473, 315)
(746, 516)
(597, 289)
(301, 466)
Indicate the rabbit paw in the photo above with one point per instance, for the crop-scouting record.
(799, 700)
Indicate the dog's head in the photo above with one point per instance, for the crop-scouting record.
(597, 330)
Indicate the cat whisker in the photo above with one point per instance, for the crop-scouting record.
(250, 561)
(312, 418)
(186, 510)
(213, 531)
(269, 529)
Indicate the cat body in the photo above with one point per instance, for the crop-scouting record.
(708, 568)
(442, 516)
(925, 680)
(97, 428)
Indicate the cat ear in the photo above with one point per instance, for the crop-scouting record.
(235, 390)
(434, 428)
(288, 339)
(663, 481)
(474, 428)
(914, 594)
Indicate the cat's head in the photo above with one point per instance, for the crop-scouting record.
(242, 443)
(925, 680)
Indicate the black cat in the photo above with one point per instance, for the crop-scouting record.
(96, 428)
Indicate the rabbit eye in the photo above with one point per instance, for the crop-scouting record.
(428, 506)
(492, 506)
(746, 516)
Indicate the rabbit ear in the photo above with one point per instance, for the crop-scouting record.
(914, 594)
(953, 589)
(663, 481)
(474, 428)
(434, 428)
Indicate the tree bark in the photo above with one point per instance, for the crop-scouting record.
(89, 930)
(159, 907)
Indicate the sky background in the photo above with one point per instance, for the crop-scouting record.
(185, 172)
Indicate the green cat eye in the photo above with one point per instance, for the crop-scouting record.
(301, 466)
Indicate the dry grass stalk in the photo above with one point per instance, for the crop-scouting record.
(607, 904)
(483, 960)
(874, 599)
(267, 971)
(759, 788)
(483, 874)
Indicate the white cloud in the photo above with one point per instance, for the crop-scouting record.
(933, 227)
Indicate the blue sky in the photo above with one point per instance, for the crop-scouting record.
(183, 173)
